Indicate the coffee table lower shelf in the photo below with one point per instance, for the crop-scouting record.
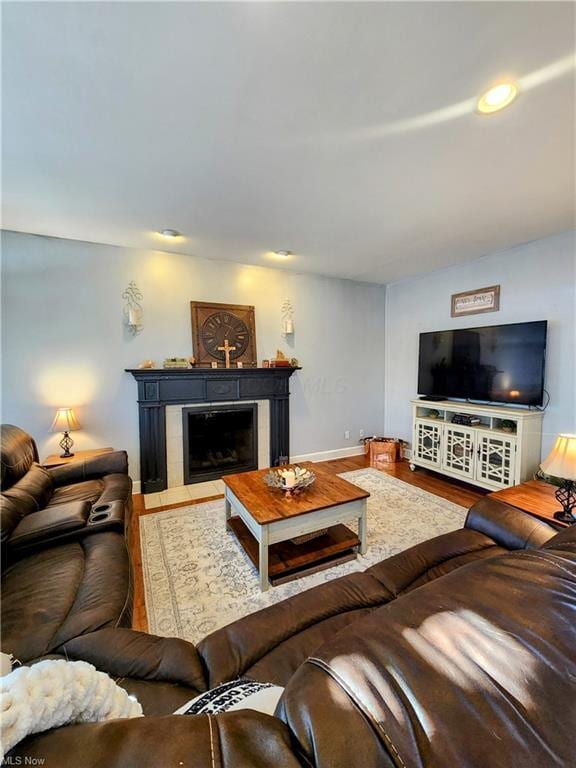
(288, 561)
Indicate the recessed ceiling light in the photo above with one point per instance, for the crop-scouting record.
(170, 233)
(283, 254)
(497, 97)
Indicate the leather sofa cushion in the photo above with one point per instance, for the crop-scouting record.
(32, 491)
(108, 488)
(229, 652)
(243, 739)
(128, 653)
(507, 525)
(17, 454)
(64, 591)
(49, 523)
(111, 463)
(476, 669)
(271, 644)
(89, 490)
(431, 559)
(280, 663)
(9, 519)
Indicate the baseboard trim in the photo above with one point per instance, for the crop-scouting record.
(136, 487)
(338, 453)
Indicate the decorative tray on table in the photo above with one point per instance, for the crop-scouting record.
(290, 479)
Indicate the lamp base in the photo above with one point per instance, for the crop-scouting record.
(66, 443)
(566, 495)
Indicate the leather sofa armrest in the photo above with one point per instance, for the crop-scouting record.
(230, 740)
(115, 462)
(507, 525)
(126, 653)
(49, 524)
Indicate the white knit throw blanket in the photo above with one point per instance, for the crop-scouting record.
(55, 692)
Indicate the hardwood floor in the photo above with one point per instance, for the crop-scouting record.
(453, 490)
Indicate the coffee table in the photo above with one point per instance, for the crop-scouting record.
(265, 516)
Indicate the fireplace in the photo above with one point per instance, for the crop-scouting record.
(219, 440)
(164, 393)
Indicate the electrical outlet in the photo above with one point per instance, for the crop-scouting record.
(361, 433)
(347, 435)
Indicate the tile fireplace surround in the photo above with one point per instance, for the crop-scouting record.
(162, 393)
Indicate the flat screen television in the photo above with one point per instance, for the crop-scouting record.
(493, 363)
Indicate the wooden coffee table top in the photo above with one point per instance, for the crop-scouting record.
(268, 505)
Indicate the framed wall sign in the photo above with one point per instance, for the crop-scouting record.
(476, 302)
(223, 333)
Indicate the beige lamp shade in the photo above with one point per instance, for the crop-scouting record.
(65, 421)
(561, 461)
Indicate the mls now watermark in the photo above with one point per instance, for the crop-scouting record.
(23, 760)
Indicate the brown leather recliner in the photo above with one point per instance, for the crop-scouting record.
(65, 565)
(458, 652)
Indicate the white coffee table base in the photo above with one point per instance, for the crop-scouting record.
(290, 528)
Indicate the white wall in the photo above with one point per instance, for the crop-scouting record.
(64, 342)
(537, 283)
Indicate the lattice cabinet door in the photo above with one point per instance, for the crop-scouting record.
(458, 450)
(427, 442)
(496, 460)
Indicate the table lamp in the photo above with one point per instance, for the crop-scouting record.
(561, 462)
(65, 421)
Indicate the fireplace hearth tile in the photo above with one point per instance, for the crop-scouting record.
(174, 495)
(202, 490)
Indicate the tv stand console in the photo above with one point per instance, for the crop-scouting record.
(502, 450)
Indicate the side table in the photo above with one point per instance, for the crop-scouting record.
(54, 460)
(534, 497)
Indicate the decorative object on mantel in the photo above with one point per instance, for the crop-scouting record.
(133, 311)
(290, 479)
(265, 363)
(223, 333)
(147, 364)
(287, 318)
(476, 302)
(280, 361)
(65, 421)
(176, 362)
(561, 462)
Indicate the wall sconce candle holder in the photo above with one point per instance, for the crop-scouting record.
(287, 311)
(133, 312)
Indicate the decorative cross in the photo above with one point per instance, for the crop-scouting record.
(227, 349)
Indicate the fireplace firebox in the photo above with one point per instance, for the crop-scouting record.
(219, 440)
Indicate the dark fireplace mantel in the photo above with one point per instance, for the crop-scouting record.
(159, 387)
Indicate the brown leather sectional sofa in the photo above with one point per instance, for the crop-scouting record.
(65, 565)
(458, 653)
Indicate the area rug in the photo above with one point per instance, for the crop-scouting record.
(197, 578)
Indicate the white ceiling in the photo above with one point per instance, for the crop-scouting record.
(259, 126)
